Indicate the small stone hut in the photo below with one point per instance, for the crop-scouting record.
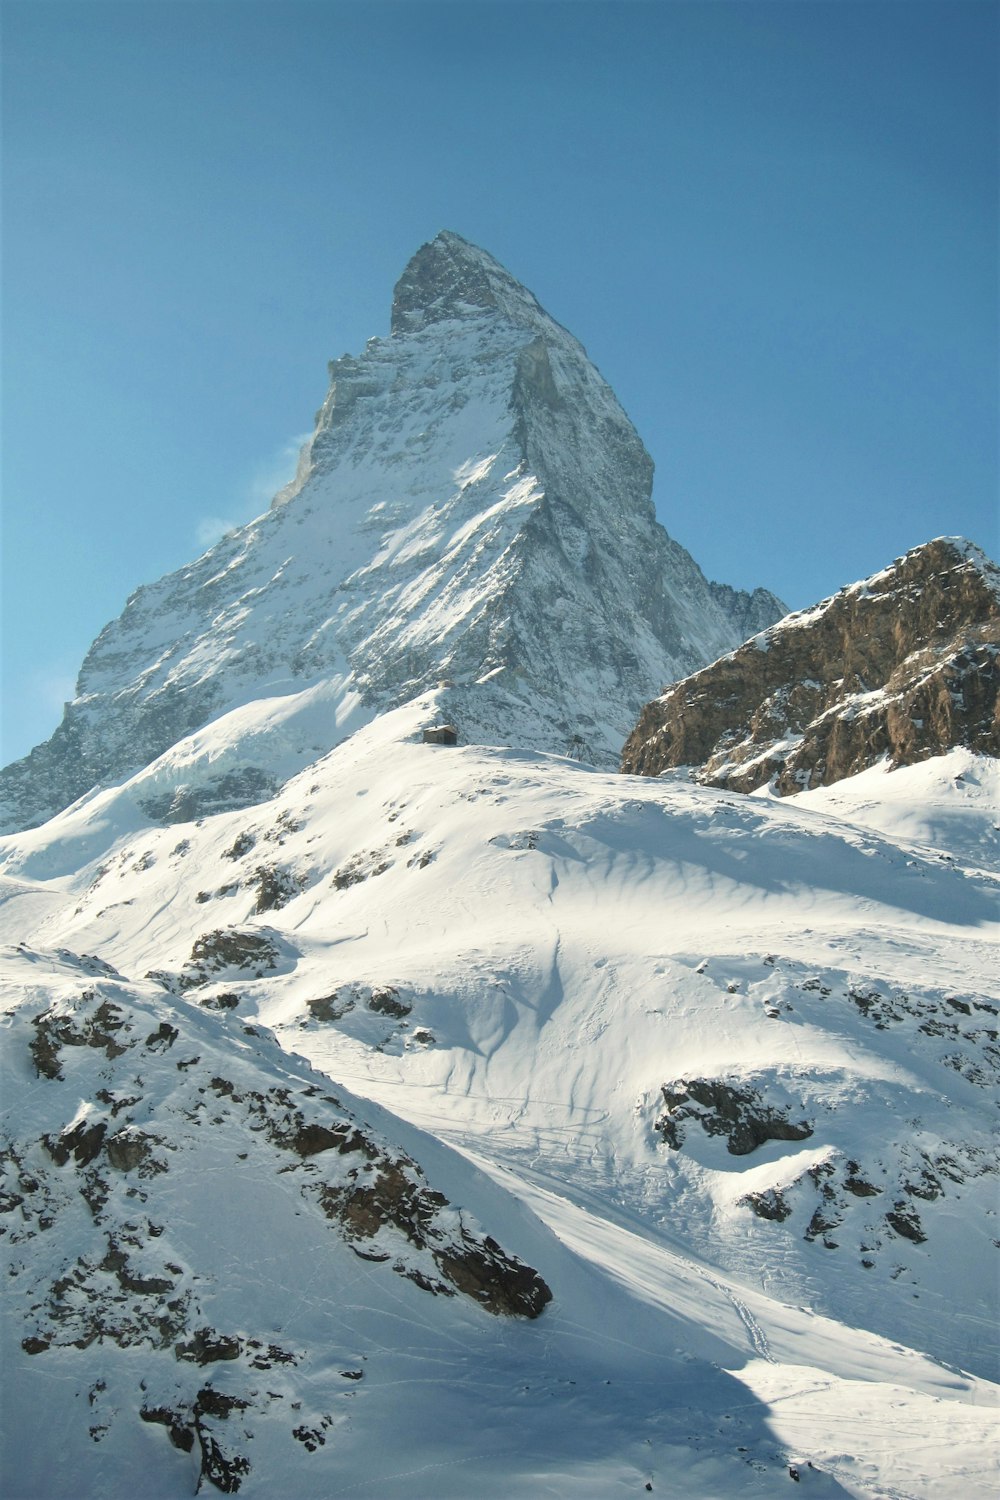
(441, 734)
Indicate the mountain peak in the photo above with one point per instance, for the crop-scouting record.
(943, 554)
(451, 278)
(473, 505)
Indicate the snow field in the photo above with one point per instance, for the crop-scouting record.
(506, 956)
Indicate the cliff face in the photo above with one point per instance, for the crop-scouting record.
(473, 503)
(904, 665)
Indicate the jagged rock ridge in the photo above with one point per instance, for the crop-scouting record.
(904, 665)
(473, 503)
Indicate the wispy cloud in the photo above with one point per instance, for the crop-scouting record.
(33, 707)
(52, 689)
(275, 472)
(210, 528)
(271, 475)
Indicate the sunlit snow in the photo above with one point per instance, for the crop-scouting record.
(564, 943)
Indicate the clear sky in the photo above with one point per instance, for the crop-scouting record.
(772, 223)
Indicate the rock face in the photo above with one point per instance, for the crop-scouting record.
(904, 664)
(473, 503)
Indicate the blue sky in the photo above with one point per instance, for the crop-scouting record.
(773, 225)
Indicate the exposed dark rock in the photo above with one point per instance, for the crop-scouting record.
(500, 1284)
(394, 1196)
(311, 1140)
(819, 1226)
(266, 1359)
(426, 1283)
(391, 1196)
(163, 1038)
(247, 950)
(361, 867)
(116, 1263)
(123, 1282)
(53, 1032)
(330, 1007)
(385, 1192)
(364, 1252)
(730, 1109)
(311, 1437)
(285, 824)
(926, 1186)
(110, 1301)
(386, 1002)
(207, 1347)
(243, 843)
(275, 887)
(906, 1222)
(222, 1468)
(83, 1143)
(226, 1001)
(181, 1435)
(129, 1149)
(904, 665)
(859, 1187)
(116, 1102)
(44, 1048)
(225, 1088)
(768, 1205)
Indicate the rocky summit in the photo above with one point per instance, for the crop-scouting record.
(474, 505)
(902, 666)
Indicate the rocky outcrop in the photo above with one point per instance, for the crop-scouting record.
(903, 665)
(116, 1123)
(728, 1108)
(473, 503)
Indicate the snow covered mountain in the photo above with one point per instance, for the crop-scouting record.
(473, 504)
(395, 1118)
(904, 665)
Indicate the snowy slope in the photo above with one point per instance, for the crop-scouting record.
(151, 1147)
(723, 1070)
(949, 804)
(473, 504)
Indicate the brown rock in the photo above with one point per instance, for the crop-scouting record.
(905, 664)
